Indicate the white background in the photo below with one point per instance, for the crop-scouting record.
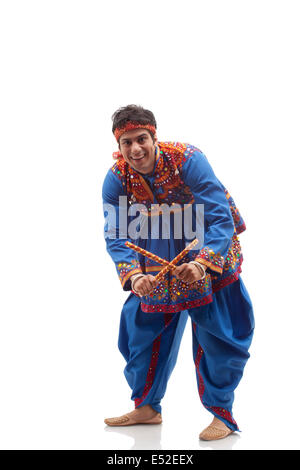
(221, 75)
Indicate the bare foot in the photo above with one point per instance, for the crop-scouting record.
(143, 413)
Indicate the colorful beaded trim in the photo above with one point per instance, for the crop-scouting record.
(211, 259)
(126, 270)
(239, 223)
(176, 307)
(130, 126)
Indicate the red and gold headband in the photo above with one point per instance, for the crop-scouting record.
(130, 125)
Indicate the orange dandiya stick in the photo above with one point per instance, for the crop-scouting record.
(174, 261)
(150, 255)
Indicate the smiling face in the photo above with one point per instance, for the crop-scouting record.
(138, 150)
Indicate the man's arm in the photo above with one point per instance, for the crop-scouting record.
(218, 222)
(125, 259)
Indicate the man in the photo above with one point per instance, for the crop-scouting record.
(206, 285)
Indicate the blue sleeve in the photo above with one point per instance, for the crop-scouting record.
(115, 214)
(218, 222)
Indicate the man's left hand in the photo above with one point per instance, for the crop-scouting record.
(187, 272)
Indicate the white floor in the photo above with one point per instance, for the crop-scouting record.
(37, 413)
(265, 421)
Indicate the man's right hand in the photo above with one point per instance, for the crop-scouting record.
(145, 285)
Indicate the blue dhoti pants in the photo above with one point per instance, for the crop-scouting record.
(222, 334)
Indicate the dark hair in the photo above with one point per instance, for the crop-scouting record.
(133, 113)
